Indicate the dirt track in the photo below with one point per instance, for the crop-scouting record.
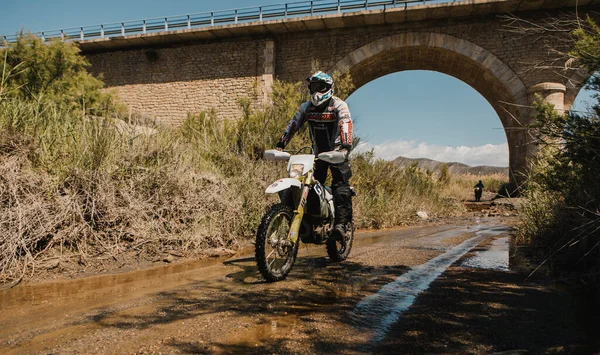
(222, 306)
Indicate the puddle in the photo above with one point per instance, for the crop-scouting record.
(28, 308)
(494, 258)
(379, 311)
(95, 287)
(268, 331)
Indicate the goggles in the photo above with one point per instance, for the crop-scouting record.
(318, 87)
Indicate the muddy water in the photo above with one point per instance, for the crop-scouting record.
(221, 305)
(379, 311)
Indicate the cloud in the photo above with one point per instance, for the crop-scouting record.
(488, 154)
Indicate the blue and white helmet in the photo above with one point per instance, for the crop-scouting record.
(320, 86)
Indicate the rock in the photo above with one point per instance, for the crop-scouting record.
(169, 259)
(422, 215)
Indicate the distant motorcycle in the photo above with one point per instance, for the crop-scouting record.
(478, 192)
(306, 212)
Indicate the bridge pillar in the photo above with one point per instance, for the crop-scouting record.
(265, 87)
(553, 93)
(522, 138)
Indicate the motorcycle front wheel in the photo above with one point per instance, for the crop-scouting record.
(338, 250)
(275, 254)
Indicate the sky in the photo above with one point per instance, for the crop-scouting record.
(416, 114)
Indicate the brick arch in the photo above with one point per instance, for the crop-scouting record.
(464, 60)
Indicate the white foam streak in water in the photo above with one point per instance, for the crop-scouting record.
(379, 311)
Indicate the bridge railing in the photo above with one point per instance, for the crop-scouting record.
(222, 17)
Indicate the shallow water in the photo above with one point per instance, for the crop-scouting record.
(48, 316)
(379, 311)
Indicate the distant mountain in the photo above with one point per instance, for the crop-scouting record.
(453, 167)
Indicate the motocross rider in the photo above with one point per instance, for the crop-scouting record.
(478, 185)
(330, 127)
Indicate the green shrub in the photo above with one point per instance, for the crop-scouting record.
(53, 72)
(562, 217)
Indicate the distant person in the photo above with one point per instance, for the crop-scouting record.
(478, 190)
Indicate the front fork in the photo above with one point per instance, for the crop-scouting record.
(299, 212)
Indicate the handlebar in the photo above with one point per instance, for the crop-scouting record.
(333, 157)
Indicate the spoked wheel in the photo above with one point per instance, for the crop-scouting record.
(338, 250)
(275, 255)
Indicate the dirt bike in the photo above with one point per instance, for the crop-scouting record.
(478, 191)
(305, 212)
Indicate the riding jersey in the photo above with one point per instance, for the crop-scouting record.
(330, 126)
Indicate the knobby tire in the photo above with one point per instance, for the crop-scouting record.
(262, 236)
(339, 250)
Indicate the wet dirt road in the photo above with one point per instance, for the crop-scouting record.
(222, 305)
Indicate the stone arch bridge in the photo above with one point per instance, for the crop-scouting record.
(169, 74)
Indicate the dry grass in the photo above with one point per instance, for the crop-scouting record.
(72, 187)
(460, 187)
(104, 191)
(389, 195)
(85, 188)
(81, 184)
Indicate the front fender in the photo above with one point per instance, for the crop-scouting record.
(282, 184)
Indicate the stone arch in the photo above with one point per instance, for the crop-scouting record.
(464, 60)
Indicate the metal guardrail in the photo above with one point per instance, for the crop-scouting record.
(223, 17)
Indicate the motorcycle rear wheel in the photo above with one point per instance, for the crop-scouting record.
(275, 255)
(338, 250)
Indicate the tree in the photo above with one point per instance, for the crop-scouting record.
(54, 71)
(563, 213)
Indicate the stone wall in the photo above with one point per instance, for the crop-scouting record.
(168, 83)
